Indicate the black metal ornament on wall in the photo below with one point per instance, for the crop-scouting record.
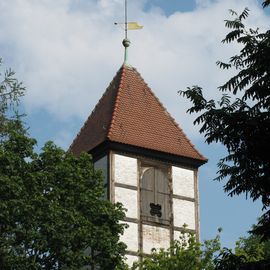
(155, 209)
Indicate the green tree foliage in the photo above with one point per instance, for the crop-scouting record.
(188, 254)
(252, 249)
(250, 254)
(52, 215)
(240, 120)
(185, 254)
(10, 92)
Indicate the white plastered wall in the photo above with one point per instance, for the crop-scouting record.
(126, 174)
(155, 237)
(128, 198)
(130, 259)
(184, 213)
(183, 182)
(125, 170)
(130, 236)
(125, 180)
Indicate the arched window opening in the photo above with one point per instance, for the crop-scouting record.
(155, 195)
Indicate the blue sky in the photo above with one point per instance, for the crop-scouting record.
(66, 52)
(171, 6)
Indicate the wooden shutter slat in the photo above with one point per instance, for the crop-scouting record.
(162, 183)
(162, 199)
(148, 179)
(148, 198)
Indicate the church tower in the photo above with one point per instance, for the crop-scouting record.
(149, 164)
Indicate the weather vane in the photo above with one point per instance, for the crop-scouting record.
(128, 26)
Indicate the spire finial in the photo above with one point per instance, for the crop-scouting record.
(126, 44)
(128, 26)
(126, 41)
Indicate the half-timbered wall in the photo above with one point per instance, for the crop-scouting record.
(128, 186)
(124, 178)
(185, 199)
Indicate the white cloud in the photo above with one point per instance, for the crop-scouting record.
(67, 51)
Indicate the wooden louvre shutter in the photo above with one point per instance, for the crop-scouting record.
(162, 194)
(155, 203)
(147, 192)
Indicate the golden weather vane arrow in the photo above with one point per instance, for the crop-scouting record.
(128, 26)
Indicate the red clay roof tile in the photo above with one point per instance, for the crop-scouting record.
(130, 113)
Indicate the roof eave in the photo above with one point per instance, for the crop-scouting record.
(108, 145)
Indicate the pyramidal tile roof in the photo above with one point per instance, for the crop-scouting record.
(130, 113)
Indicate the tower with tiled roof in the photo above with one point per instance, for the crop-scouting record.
(149, 164)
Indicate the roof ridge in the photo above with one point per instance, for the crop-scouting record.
(169, 115)
(97, 105)
(122, 69)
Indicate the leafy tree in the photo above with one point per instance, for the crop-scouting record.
(252, 249)
(250, 254)
(188, 254)
(185, 254)
(240, 120)
(52, 215)
(10, 92)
